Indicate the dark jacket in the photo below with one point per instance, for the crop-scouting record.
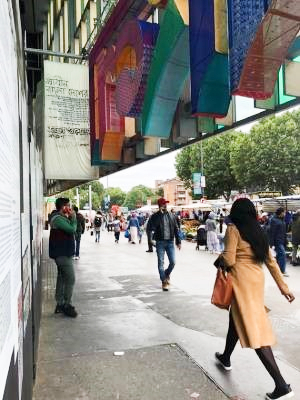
(277, 231)
(80, 225)
(61, 240)
(156, 225)
(296, 230)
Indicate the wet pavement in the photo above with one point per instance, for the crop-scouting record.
(168, 338)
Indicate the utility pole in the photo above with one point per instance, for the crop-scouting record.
(77, 197)
(202, 171)
(90, 201)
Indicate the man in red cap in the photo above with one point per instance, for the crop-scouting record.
(165, 229)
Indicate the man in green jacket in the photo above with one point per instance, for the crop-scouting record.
(61, 248)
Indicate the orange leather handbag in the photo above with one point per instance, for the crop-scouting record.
(222, 293)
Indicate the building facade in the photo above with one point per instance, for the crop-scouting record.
(175, 192)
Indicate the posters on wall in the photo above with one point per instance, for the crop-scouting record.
(10, 248)
(67, 132)
(20, 343)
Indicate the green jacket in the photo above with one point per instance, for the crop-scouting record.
(61, 240)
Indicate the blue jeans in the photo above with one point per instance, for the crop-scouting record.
(97, 236)
(163, 246)
(281, 257)
(77, 246)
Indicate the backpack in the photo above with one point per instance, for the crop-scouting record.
(97, 222)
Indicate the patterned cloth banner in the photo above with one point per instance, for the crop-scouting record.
(269, 48)
(67, 131)
(168, 72)
(131, 83)
(209, 68)
(244, 18)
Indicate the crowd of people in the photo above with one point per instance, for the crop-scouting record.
(243, 240)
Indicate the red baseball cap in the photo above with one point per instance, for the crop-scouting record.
(162, 202)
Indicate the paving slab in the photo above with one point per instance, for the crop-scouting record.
(157, 372)
(122, 308)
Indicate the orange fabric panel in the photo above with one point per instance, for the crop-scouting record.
(112, 146)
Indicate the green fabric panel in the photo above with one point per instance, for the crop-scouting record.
(271, 103)
(283, 98)
(162, 88)
(206, 124)
(214, 93)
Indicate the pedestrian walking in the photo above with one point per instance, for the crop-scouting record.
(110, 219)
(61, 248)
(134, 227)
(79, 231)
(149, 234)
(211, 229)
(165, 229)
(296, 238)
(97, 225)
(117, 228)
(246, 249)
(278, 238)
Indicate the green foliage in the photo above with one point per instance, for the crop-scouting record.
(138, 196)
(216, 164)
(97, 194)
(269, 157)
(183, 164)
(117, 196)
(159, 192)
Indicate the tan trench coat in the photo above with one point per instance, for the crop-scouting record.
(248, 310)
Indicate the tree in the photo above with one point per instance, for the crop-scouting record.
(97, 194)
(184, 164)
(138, 196)
(268, 158)
(220, 180)
(117, 196)
(69, 194)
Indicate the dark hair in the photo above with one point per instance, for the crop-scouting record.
(60, 202)
(75, 208)
(244, 216)
(279, 211)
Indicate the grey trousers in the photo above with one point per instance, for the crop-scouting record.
(65, 280)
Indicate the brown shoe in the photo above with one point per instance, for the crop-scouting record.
(168, 279)
(165, 285)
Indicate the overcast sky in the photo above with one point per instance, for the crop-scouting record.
(145, 173)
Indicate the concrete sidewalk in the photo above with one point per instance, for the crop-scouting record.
(168, 338)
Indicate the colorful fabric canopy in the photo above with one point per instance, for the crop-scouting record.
(168, 72)
(244, 17)
(136, 44)
(209, 68)
(269, 48)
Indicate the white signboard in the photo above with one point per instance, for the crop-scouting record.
(67, 128)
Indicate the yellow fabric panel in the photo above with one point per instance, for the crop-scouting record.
(154, 2)
(112, 146)
(221, 41)
(129, 127)
(183, 8)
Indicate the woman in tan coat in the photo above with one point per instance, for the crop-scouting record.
(246, 249)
